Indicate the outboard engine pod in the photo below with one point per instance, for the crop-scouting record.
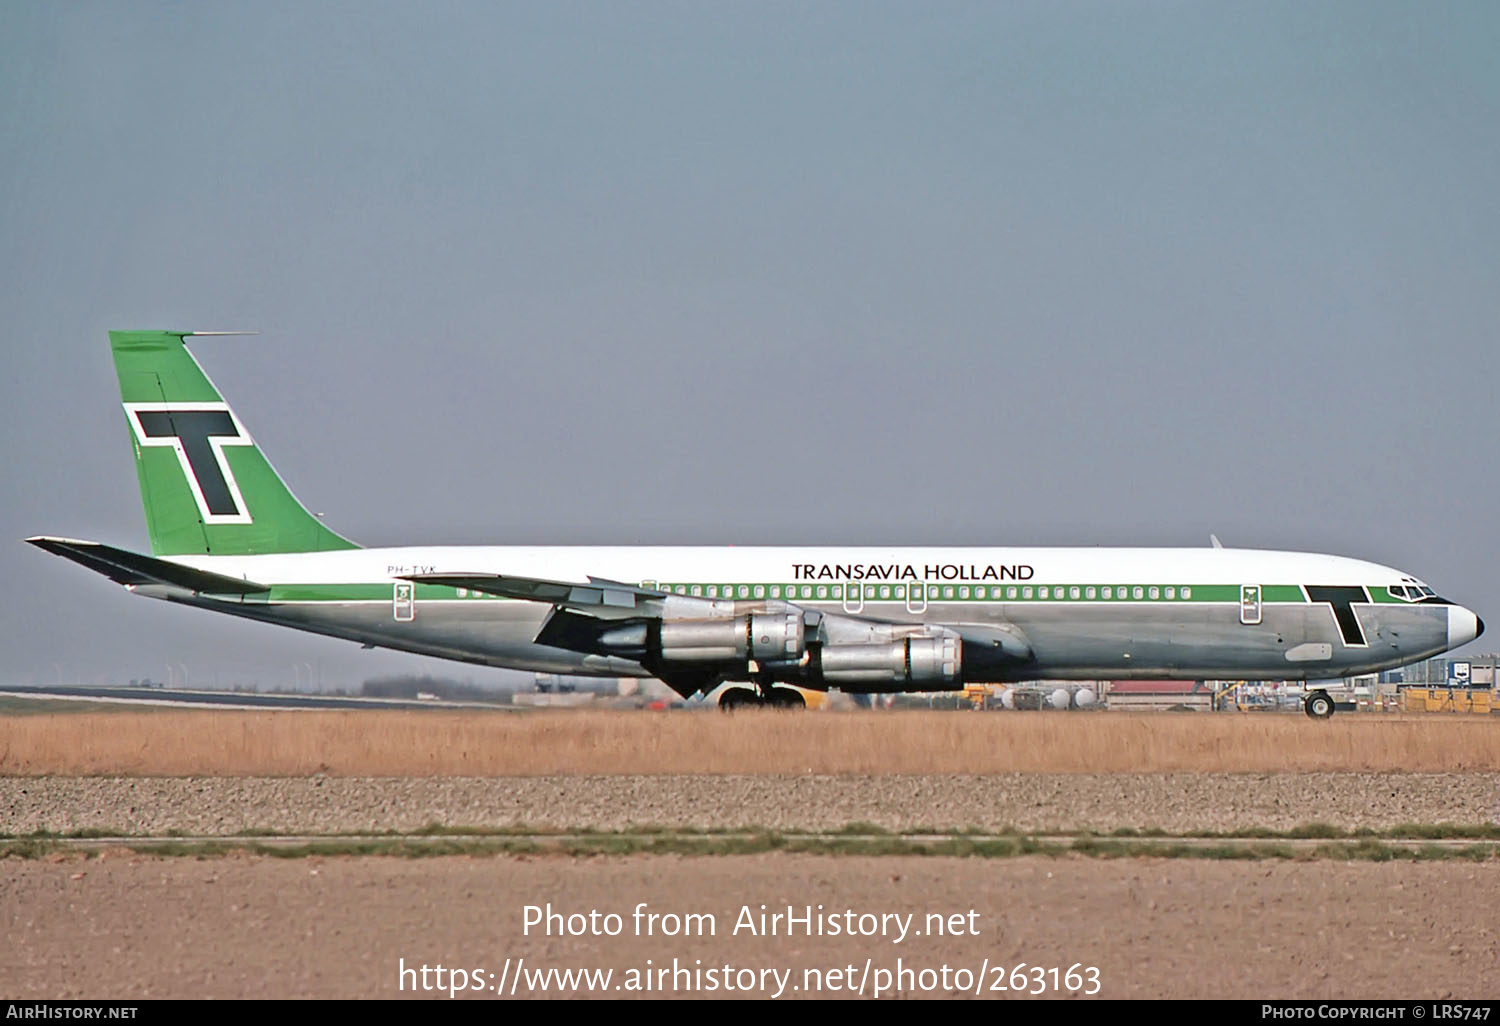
(897, 665)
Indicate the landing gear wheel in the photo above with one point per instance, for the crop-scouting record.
(738, 698)
(786, 698)
(1318, 705)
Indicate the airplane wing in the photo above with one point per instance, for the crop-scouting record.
(690, 642)
(597, 592)
(133, 569)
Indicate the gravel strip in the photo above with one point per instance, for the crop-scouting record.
(1033, 802)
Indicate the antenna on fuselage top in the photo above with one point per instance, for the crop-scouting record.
(1215, 540)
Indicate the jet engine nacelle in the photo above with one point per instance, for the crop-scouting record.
(894, 666)
(764, 637)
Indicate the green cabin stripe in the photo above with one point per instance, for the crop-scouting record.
(1200, 593)
(1014, 593)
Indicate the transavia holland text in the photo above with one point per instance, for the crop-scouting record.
(910, 572)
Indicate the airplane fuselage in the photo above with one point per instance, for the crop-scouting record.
(1063, 613)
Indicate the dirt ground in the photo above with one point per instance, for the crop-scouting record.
(249, 927)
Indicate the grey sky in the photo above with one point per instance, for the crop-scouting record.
(769, 273)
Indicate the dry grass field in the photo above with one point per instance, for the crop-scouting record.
(445, 744)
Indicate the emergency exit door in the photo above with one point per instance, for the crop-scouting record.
(1250, 603)
(404, 603)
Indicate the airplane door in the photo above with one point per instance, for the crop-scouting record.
(1250, 604)
(916, 598)
(403, 602)
(854, 597)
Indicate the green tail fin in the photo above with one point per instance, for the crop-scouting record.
(206, 487)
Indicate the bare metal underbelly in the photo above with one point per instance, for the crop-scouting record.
(1069, 641)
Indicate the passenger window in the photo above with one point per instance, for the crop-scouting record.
(807, 591)
(1139, 592)
(838, 591)
(1187, 593)
(963, 593)
(1171, 593)
(1155, 592)
(1026, 592)
(948, 592)
(1010, 592)
(1106, 592)
(1089, 593)
(885, 591)
(697, 589)
(1042, 593)
(822, 591)
(744, 591)
(1074, 592)
(760, 591)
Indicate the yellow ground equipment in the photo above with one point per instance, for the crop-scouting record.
(1462, 700)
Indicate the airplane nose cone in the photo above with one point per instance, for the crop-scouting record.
(1463, 626)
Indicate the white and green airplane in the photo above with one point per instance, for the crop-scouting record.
(227, 535)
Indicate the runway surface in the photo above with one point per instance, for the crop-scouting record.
(139, 696)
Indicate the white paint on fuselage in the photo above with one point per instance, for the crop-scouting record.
(733, 565)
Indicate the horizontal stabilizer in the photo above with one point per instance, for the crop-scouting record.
(131, 568)
(597, 592)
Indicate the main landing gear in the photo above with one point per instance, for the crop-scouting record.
(1318, 705)
(765, 698)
